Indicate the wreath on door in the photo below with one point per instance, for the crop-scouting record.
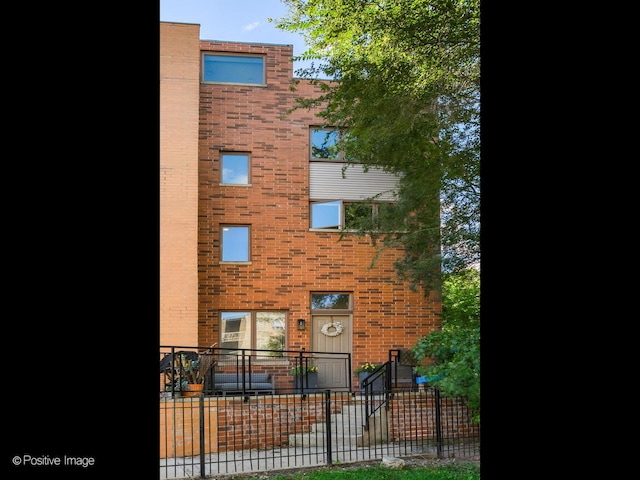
(338, 329)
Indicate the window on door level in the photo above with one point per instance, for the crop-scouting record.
(331, 302)
(254, 330)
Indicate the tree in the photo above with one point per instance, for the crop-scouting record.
(407, 93)
(404, 85)
(455, 350)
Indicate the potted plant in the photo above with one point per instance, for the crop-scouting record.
(176, 389)
(364, 370)
(192, 373)
(306, 378)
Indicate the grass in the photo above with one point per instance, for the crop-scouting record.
(449, 471)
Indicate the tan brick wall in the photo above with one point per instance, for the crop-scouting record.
(288, 261)
(180, 427)
(179, 90)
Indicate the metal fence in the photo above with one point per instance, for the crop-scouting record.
(242, 432)
(179, 365)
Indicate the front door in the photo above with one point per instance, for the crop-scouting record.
(332, 333)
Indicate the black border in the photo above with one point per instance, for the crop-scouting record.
(83, 245)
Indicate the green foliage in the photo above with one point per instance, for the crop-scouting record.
(366, 367)
(408, 94)
(455, 350)
(298, 370)
(275, 345)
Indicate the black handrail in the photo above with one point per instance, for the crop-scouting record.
(389, 373)
(382, 371)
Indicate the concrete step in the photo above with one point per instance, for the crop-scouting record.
(319, 440)
(347, 428)
(341, 422)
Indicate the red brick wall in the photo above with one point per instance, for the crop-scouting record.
(288, 261)
(232, 424)
(268, 421)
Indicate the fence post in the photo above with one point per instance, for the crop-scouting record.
(327, 414)
(438, 400)
(201, 424)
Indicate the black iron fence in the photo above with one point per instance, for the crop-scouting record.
(245, 371)
(220, 433)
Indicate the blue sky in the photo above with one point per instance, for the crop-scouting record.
(233, 20)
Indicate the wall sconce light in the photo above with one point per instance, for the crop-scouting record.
(302, 324)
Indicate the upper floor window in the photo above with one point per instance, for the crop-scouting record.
(235, 243)
(234, 168)
(326, 214)
(243, 69)
(324, 144)
(337, 214)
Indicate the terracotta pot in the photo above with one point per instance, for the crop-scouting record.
(193, 390)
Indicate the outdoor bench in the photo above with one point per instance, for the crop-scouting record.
(254, 383)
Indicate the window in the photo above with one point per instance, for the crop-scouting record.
(242, 69)
(337, 214)
(235, 243)
(331, 301)
(355, 213)
(326, 214)
(234, 168)
(344, 194)
(259, 330)
(323, 144)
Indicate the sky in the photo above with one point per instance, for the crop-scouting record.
(234, 21)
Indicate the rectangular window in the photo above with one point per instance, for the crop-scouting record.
(331, 301)
(255, 330)
(235, 330)
(270, 330)
(337, 214)
(323, 144)
(235, 243)
(234, 168)
(356, 214)
(326, 214)
(242, 69)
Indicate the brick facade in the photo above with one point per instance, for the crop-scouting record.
(288, 260)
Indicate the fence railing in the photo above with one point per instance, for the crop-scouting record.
(214, 435)
(246, 371)
(295, 425)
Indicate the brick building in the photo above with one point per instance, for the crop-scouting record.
(252, 206)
